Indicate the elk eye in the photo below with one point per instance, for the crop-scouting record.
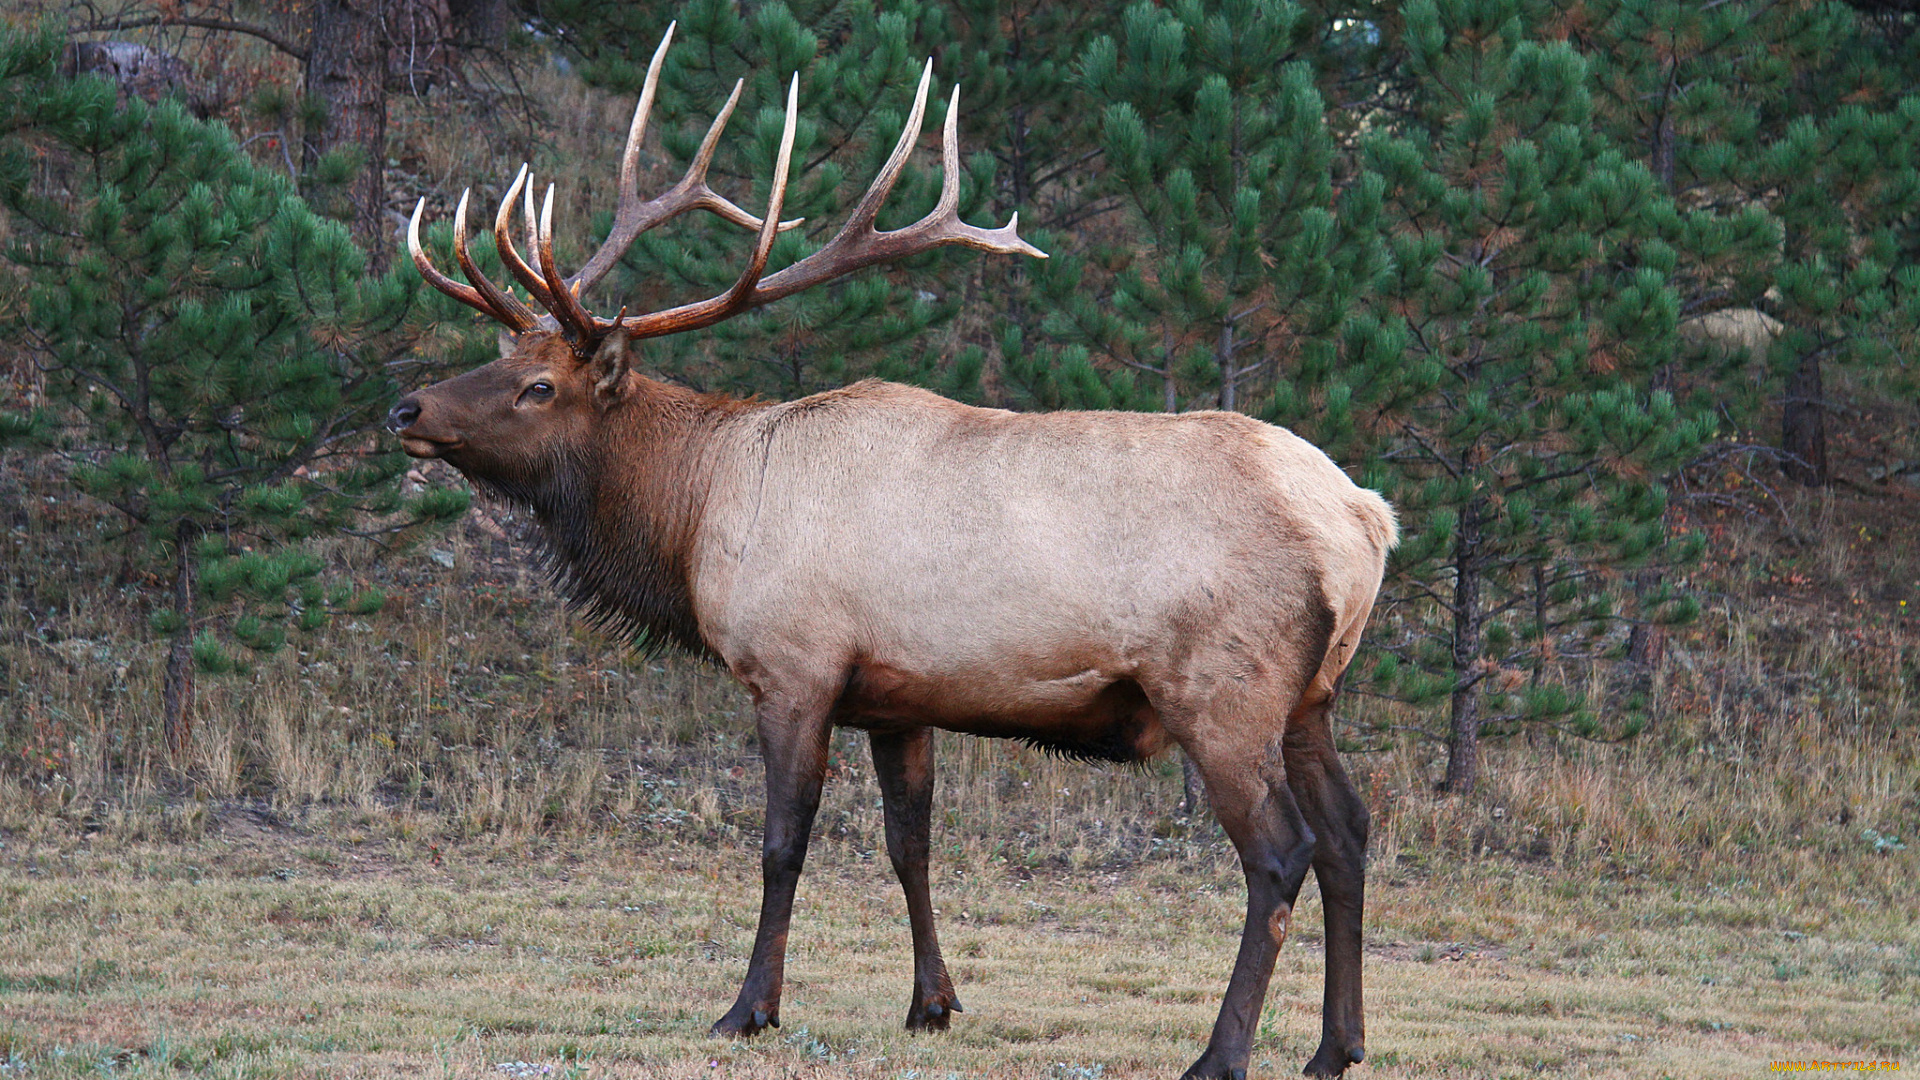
(540, 391)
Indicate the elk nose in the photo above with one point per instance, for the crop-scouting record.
(403, 415)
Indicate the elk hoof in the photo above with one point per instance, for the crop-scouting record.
(1206, 1069)
(1332, 1060)
(741, 1023)
(932, 1013)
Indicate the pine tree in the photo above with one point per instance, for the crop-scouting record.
(1243, 259)
(1840, 171)
(216, 356)
(1026, 104)
(1514, 410)
(1786, 122)
(351, 53)
(1028, 108)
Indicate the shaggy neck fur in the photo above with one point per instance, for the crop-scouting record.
(620, 514)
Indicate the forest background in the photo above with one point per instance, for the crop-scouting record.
(1615, 300)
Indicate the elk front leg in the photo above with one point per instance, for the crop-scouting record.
(904, 765)
(793, 741)
(1335, 813)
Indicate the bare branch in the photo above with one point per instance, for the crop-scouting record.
(291, 48)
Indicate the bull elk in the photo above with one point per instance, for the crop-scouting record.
(877, 557)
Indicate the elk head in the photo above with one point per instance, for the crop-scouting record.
(504, 423)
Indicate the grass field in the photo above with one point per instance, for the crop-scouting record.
(268, 952)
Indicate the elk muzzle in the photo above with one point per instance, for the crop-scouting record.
(410, 419)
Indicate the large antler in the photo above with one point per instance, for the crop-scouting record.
(858, 244)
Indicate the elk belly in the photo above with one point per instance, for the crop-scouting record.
(1091, 715)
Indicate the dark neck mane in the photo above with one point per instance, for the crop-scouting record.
(619, 516)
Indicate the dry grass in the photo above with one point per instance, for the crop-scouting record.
(280, 953)
(475, 708)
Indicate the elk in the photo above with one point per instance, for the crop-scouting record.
(877, 557)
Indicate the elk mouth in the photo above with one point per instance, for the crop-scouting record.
(422, 447)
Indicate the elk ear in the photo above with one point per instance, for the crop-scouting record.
(609, 365)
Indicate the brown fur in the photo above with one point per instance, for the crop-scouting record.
(1101, 584)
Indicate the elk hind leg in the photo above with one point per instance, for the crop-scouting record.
(1257, 809)
(1335, 813)
(904, 765)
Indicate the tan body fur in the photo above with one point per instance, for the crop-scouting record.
(995, 573)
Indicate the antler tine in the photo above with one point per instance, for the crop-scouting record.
(863, 216)
(533, 222)
(705, 198)
(776, 198)
(630, 157)
(461, 292)
(949, 204)
(632, 216)
(575, 322)
(944, 222)
(745, 292)
(527, 276)
(507, 307)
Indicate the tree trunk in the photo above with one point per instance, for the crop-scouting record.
(1193, 788)
(1663, 150)
(346, 78)
(1646, 644)
(178, 698)
(1229, 388)
(1803, 425)
(177, 689)
(1469, 628)
(484, 23)
(1647, 641)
